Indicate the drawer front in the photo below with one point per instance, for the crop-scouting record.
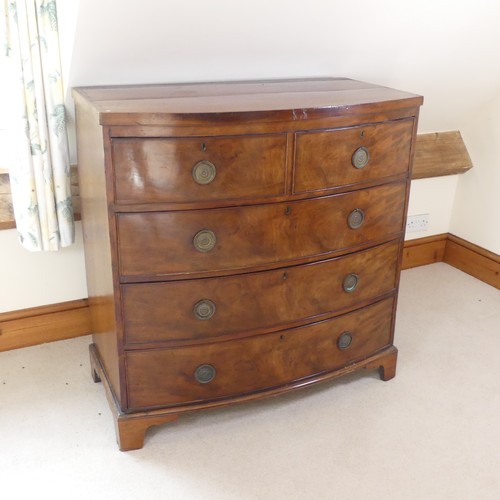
(213, 307)
(174, 376)
(172, 243)
(201, 169)
(333, 158)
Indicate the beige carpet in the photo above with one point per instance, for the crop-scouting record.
(431, 433)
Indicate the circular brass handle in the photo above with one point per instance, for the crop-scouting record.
(204, 309)
(356, 218)
(204, 172)
(350, 282)
(204, 374)
(360, 158)
(204, 240)
(344, 341)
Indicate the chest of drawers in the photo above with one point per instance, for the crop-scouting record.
(241, 239)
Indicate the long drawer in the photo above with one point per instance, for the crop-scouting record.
(199, 169)
(168, 377)
(158, 244)
(331, 158)
(214, 307)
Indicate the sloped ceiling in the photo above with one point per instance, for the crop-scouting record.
(446, 50)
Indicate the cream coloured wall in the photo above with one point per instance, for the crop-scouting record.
(434, 197)
(30, 279)
(442, 50)
(476, 210)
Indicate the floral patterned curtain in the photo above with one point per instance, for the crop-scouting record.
(40, 179)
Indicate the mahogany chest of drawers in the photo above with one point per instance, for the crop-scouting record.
(241, 239)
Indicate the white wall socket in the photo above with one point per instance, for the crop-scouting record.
(415, 223)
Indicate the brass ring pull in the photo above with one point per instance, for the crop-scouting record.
(360, 158)
(344, 341)
(356, 218)
(350, 282)
(204, 374)
(204, 172)
(204, 309)
(204, 240)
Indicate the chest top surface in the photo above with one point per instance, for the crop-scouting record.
(163, 104)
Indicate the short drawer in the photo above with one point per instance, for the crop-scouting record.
(168, 377)
(199, 169)
(157, 245)
(214, 307)
(335, 158)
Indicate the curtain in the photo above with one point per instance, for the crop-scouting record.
(40, 176)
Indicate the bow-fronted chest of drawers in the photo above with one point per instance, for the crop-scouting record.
(241, 239)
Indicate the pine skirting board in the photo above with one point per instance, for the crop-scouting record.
(469, 258)
(67, 320)
(38, 325)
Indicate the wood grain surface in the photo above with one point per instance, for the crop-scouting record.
(160, 312)
(439, 154)
(155, 246)
(156, 170)
(323, 159)
(255, 363)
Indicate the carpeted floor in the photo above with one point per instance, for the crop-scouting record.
(433, 432)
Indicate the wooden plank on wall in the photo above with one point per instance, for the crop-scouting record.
(38, 325)
(7, 212)
(439, 154)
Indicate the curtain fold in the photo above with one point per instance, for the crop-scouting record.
(40, 178)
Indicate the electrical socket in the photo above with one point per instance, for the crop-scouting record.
(416, 223)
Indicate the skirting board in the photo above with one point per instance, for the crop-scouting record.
(38, 325)
(423, 251)
(469, 258)
(67, 320)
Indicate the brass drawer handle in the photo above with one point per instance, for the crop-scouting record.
(204, 240)
(204, 309)
(356, 218)
(204, 172)
(344, 341)
(204, 374)
(360, 158)
(350, 282)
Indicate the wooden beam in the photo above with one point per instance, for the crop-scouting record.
(6, 211)
(439, 154)
(38, 325)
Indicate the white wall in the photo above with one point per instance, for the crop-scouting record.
(30, 279)
(67, 15)
(443, 50)
(434, 197)
(476, 211)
